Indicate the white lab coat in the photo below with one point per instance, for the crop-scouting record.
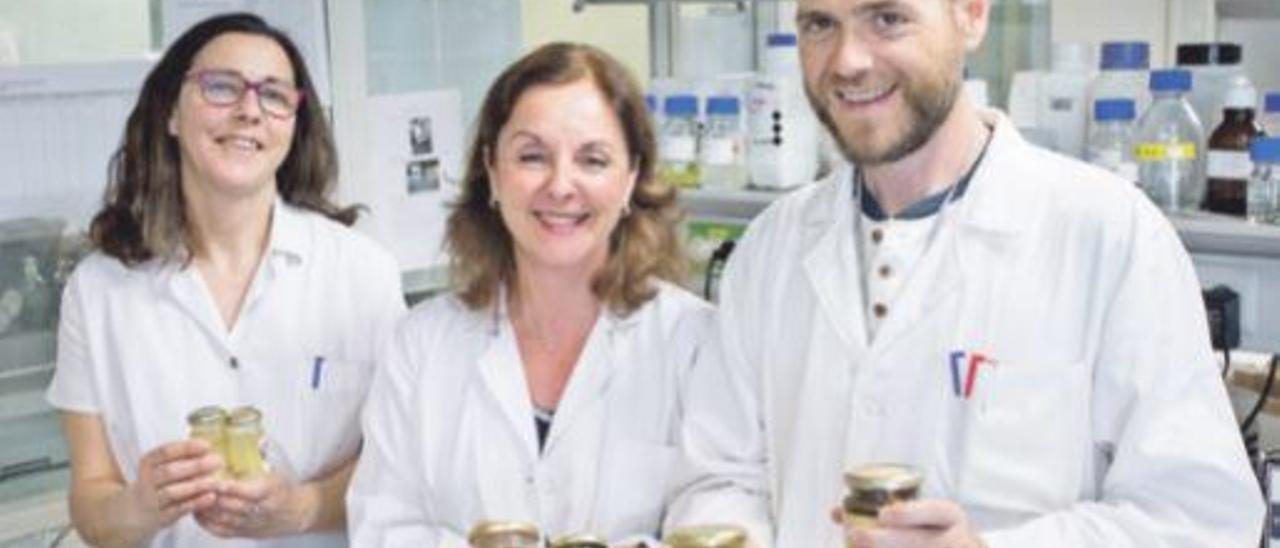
(1103, 422)
(450, 437)
(142, 346)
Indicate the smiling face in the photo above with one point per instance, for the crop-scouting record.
(232, 149)
(561, 173)
(883, 75)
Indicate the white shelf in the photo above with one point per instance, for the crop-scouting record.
(1200, 232)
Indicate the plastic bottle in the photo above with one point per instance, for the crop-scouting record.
(783, 129)
(1215, 70)
(1110, 143)
(678, 142)
(1123, 76)
(721, 155)
(1050, 107)
(1271, 114)
(1168, 145)
(1228, 166)
(1264, 186)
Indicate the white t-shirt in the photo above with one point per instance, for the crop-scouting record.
(141, 347)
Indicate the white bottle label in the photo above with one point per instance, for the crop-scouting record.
(679, 149)
(1229, 164)
(720, 151)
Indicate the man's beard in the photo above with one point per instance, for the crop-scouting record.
(927, 109)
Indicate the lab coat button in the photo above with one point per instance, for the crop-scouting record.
(876, 235)
(234, 363)
(885, 271)
(880, 310)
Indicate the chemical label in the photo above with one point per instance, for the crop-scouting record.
(720, 152)
(679, 149)
(1154, 152)
(1229, 164)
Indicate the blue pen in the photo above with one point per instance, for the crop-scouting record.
(316, 367)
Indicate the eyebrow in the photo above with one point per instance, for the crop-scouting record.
(271, 79)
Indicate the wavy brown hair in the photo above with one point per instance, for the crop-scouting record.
(142, 216)
(643, 247)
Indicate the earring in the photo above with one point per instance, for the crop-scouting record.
(493, 201)
(173, 127)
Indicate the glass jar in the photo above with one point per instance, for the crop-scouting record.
(244, 431)
(874, 486)
(504, 534)
(209, 423)
(707, 536)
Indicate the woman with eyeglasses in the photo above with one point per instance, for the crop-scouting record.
(223, 275)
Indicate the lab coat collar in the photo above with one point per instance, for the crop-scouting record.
(831, 263)
(1003, 197)
(503, 372)
(289, 236)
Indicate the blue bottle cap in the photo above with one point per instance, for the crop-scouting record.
(1265, 149)
(651, 102)
(776, 39)
(1105, 110)
(1272, 103)
(681, 105)
(722, 105)
(1171, 80)
(1126, 56)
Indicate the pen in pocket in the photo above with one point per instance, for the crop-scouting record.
(316, 367)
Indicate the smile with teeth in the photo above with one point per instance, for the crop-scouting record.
(854, 95)
(557, 219)
(243, 143)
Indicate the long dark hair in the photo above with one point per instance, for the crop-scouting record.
(142, 216)
(645, 244)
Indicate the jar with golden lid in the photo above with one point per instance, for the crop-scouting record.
(874, 486)
(244, 432)
(579, 541)
(504, 534)
(707, 536)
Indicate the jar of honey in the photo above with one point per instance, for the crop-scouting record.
(209, 423)
(579, 541)
(707, 536)
(244, 431)
(874, 486)
(504, 534)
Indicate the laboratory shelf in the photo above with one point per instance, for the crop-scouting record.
(1200, 232)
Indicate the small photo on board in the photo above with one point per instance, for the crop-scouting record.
(422, 175)
(420, 135)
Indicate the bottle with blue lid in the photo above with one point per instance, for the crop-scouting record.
(1123, 75)
(721, 154)
(1110, 144)
(678, 142)
(1271, 114)
(1168, 145)
(1263, 202)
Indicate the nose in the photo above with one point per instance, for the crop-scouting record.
(563, 182)
(852, 57)
(249, 107)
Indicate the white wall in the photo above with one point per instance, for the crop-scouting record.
(1097, 21)
(621, 30)
(77, 31)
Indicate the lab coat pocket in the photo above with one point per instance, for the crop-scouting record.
(635, 483)
(1024, 437)
(329, 411)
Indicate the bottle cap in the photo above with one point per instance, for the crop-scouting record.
(1265, 149)
(1221, 53)
(780, 39)
(1126, 56)
(681, 105)
(1114, 109)
(651, 102)
(1240, 97)
(1171, 80)
(722, 105)
(1272, 102)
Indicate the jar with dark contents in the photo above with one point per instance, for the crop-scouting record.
(707, 536)
(579, 541)
(504, 534)
(874, 486)
(244, 432)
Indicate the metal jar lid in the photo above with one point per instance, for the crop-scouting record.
(207, 415)
(579, 541)
(244, 416)
(707, 536)
(883, 477)
(491, 529)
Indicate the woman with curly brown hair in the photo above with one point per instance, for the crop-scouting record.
(544, 388)
(223, 275)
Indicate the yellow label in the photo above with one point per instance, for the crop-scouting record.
(1154, 152)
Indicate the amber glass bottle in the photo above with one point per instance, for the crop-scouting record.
(1229, 166)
